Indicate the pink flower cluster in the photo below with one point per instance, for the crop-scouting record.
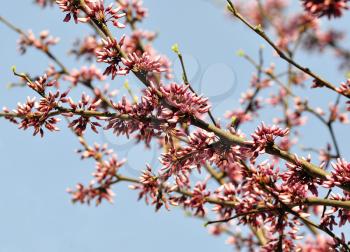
(87, 47)
(134, 8)
(39, 114)
(105, 175)
(70, 6)
(343, 214)
(340, 176)
(344, 88)
(186, 102)
(36, 116)
(86, 103)
(110, 54)
(41, 84)
(94, 9)
(197, 201)
(329, 8)
(144, 64)
(149, 189)
(264, 136)
(139, 37)
(154, 114)
(299, 182)
(84, 194)
(41, 43)
(320, 40)
(85, 75)
(44, 3)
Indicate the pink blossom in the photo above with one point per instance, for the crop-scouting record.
(344, 88)
(225, 192)
(131, 46)
(298, 181)
(70, 6)
(107, 169)
(265, 136)
(87, 194)
(42, 43)
(333, 8)
(110, 54)
(288, 31)
(198, 199)
(184, 100)
(340, 175)
(132, 41)
(134, 8)
(95, 9)
(36, 116)
(86, 103)
(336, 115)
(320, 40)
(85, 75)
(41, 84)
(86, 47)
(143, 64)
(320, 244)
(150, 189)
(343, 214)
(251, 10)
(44, 3)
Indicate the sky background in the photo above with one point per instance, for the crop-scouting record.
(36, 212)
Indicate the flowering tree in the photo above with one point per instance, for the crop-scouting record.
(283, 202)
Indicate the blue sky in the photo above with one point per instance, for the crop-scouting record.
(36, 212)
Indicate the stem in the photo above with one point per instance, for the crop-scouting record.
(185, 78)
(250, 106)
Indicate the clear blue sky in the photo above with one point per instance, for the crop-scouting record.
(36, 212)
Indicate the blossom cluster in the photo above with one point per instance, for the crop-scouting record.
(134, 9)
(265, 136)
(39, 114)
(87, 47)
(42, 43)
(158, 110)
(86, 75)
(143, 64)
(71, 7)
(107, 168)
(85, 103)
(327, 8)
(95, 9)
(44, 3)
(110, 54)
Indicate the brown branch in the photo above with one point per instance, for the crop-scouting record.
(186, 81)
(258, 30)
(250, 106)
